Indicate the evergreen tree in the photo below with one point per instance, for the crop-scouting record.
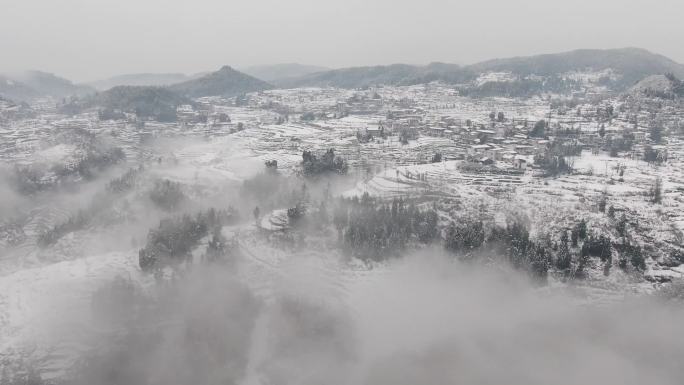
(563, 260)
(602, 204)
(656, 132)
(582, 229)
(635, 256)
(657, 191)
(574, 234)
(539, 129)
(621, 226)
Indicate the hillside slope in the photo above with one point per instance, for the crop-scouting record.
(633, 64)
(664, 86)
(16, 91)
(629, 64)
(28, 85)
(47, 84)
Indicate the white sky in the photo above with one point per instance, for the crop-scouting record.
(90, 39)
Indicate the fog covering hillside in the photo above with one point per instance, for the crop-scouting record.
(48, 84)
(28, 85)
(14, 90)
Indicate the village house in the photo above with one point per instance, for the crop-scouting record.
(436, 131)
(525, 149)
(478, 149)
(375, 130)
(186, 114)
(520, 162)
(495, 153)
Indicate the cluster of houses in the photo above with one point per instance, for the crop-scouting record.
(497, 139)
(502, 142)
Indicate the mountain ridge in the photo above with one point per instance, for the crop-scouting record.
(632, 63)
(141, 79)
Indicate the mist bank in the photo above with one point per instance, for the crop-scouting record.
(426, 318)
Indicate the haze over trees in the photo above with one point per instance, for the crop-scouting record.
(172, 242)
(317, 165)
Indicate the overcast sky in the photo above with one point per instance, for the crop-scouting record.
(91, 39)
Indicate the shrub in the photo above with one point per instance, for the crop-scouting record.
(597, 247)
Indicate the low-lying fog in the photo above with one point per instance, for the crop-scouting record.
(423, 319)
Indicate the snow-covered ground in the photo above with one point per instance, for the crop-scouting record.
(45, 293)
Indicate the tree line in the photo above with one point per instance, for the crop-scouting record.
(173, 241)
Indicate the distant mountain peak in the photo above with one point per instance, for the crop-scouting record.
(224, 82)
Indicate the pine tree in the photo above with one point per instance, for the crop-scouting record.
(621, 226)
(582, 229)
(574, 236)
(539, 129)
(602, 204)
(656, 132)
(657, 191)
(563, 260)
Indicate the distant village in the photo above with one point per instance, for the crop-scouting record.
(505, 133)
